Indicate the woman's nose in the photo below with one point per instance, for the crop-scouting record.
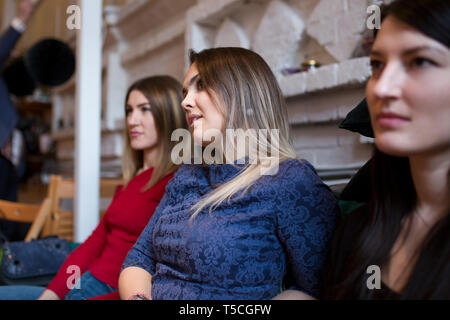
(188, 102)
(133, 118)
(389, 83)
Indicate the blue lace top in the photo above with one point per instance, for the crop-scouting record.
(279, 230)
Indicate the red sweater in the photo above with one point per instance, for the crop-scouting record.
(106, 248)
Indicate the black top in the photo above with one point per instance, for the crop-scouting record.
(338, 257)
(420, 284)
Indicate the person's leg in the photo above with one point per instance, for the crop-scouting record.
(89, 287)
(20, 292)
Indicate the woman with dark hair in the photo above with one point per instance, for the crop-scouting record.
(398, 246)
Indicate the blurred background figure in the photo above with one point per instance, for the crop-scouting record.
(11, 144)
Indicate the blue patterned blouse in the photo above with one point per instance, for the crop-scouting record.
(245, 249)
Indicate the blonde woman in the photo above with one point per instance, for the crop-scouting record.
(152, 109)
(250, 222)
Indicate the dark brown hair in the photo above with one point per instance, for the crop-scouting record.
(164, 94)
(394, 198)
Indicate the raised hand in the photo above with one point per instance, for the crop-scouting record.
(27, 8)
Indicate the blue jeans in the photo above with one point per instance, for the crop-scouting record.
(89, 287)
(20, 292)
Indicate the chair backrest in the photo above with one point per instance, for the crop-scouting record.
(60, 221)
(62, 191)
(29, 213)
(108, 189)
(18, 212)
(53, 216)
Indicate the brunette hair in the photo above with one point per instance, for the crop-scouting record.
(394, 197)
(164, 94)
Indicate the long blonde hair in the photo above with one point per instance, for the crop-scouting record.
(247, 92)
(164, 94)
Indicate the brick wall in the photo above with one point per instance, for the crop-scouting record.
(152, 37)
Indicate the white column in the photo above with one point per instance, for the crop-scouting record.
(88, 120)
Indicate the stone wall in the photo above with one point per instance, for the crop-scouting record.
(148, 37)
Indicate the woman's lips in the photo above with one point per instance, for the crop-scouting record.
(193, 118)
(391, 120)
(134, 134)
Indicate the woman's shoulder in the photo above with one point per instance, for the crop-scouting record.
(289, 166)
(186, 177)
(188, 174)
(295, 165)
(297, 172)
(297, 182)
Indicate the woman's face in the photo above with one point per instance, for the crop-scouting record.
(140, 122)
(202, 114)
(409, 91)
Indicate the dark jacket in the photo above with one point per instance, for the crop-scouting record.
(8, 114)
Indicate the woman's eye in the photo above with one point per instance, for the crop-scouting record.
(376, 67)
(200, 85)
(375, 64)
(422, 62)
(128, 111)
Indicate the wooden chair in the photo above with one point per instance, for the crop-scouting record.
(29, 213)
(108, 188)
(60, 222)
(51, 217)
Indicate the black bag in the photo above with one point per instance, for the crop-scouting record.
(32, 263)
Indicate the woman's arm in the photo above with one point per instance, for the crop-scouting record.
(138, 266)
(305, 224)
(135, 281)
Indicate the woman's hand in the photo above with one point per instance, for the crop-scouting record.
(27, 8)
(293, 295)
(48, 295)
